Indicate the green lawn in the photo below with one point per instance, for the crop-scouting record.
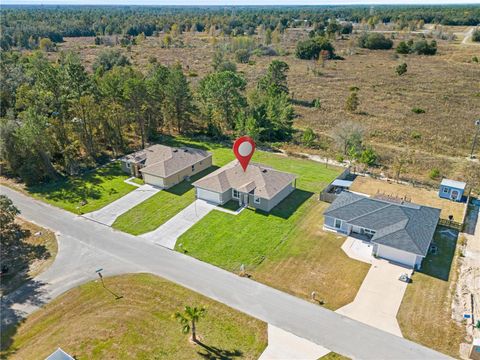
(88, 322)
(85, 193)
(161, 207)
(138, 181)
(425, 315)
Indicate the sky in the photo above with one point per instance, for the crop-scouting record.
(234, 2)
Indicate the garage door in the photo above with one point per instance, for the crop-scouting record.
(153, 180)
(395, 255)
(209, 196)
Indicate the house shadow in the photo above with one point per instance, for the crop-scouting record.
(438, 263)
(471, 219)
(288, 206)
(214, 353)
(186, 185)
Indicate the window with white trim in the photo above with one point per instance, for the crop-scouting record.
(446, 190)
(235, 194)
(256, 200)
(338, 223)
(193, 167)
(370, 232)
(128, 165)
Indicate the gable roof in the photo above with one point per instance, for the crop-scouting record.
(261, 180)
(164, 161)
(59, 354)
(454, 184)
(405, 226)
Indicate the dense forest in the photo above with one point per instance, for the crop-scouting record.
(24, 26)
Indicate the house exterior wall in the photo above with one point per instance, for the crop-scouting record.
(126, 167)
(213, 196)
(267, 205)
(345, 227)
(446, 192)
(179, 176)
(398, 256)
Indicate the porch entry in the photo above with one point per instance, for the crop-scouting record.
(243, 199)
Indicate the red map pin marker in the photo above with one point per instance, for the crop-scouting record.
(243, 148)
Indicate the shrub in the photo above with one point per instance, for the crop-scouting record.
(374, 41)
(434, 174)
(242, 56)
(317, 104)
(403, 48)
(308, 138)
(401, 69)
(417, 110)
(311, 48)
(422, 47)
(415, 135)
(476, 35)
(475, 59)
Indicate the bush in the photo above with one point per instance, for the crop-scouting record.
(242, 56)
(476, 35)
(434, 174)
(401, 69)
(416, 135)
(417, 110)
(308, 138)
(311, 48)
(317, 104)
(422, 47)
(403, 48)
(374, 41)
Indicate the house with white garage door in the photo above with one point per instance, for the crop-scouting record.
(259, 186)
(165, 166)
(399, 232)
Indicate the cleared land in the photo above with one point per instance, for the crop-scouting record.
(416, 195)
(443, 85)
(285, 248)
(34, 255)
(85, 193)
(89, 323)
(425, 315)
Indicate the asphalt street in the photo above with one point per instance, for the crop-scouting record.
(85, 246)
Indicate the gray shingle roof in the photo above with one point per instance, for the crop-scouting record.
(262, 180)
(406, 226)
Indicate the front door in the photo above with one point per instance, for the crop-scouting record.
(245, 199)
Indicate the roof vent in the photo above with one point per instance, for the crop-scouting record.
(185, 150)
(175, 150)
(264, 170)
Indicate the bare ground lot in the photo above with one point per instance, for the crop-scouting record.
(416, 195)
(443, 85)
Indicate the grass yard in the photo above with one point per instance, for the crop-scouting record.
(161, 207)
(34, 255)
(425, 312)
(334, 356)
(89, 323)
(417, 195)
(286, 249)
(138, 181)
(85, 193)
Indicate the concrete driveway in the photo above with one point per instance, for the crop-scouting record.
(379, 298)
(168, 233)
(108, 214)
(285, 345)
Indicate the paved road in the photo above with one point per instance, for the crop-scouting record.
(108, 214)
(115, 251)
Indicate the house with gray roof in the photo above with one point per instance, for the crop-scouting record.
(165, 166)
(399, 231)
(259, 186)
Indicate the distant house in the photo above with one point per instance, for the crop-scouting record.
(165, 166)
(452, 190)
(259, 186)
(59, 354)
(399, 232)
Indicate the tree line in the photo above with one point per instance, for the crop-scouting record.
(24, 26)
(57, 119)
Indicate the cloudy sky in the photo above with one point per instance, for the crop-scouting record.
(236, 2)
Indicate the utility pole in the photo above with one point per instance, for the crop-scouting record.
(477, 124)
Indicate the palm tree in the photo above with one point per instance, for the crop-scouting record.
(189, 318)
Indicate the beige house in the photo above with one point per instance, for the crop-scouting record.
(259, 186)
(165, 166)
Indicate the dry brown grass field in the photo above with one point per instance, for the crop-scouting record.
(446, 86)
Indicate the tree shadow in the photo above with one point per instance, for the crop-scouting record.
(29, 294)
(439, 262)
(186, 185)
(288, 206)
(214, 353)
